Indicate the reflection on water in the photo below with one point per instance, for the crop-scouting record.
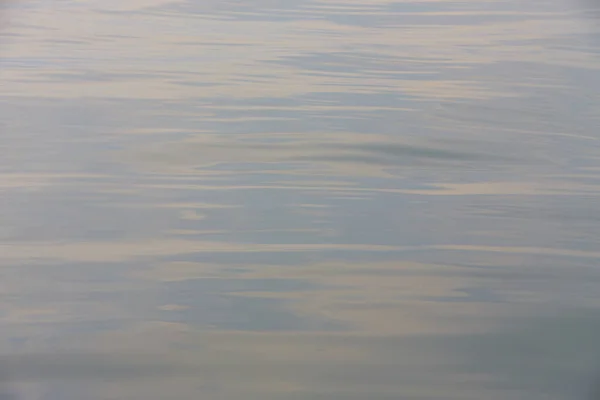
(317, 199)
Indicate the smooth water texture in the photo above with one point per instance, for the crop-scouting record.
(300, 199)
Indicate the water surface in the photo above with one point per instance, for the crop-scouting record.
(300, 200)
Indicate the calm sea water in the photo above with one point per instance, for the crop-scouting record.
(300, 200)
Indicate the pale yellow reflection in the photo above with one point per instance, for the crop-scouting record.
(127, 250)
(112, 251)
(39, 181)
(126, 5)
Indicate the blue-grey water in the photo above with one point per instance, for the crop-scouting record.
(300, 200)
